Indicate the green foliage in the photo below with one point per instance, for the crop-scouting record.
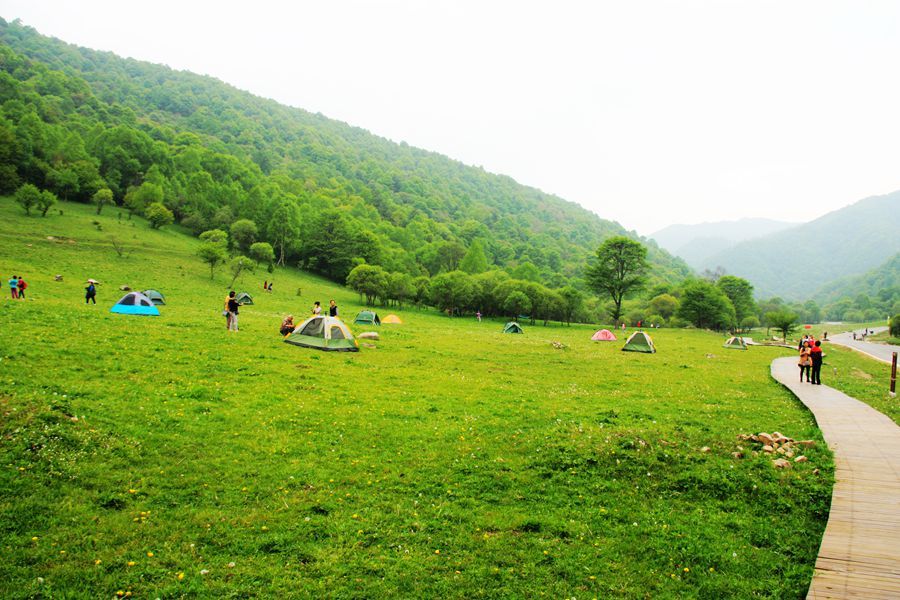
(370, 281)
(262, 253)
(244, 233)
(571, 302)
(452, 292)
(237, 266)
(618, 271)
(748, 323)
(878, 289)
(664, 305)
(705, 305)
(474, 261)
(101, 198)
(139, 198)
(895, 326)
(784, 321)
(28, 196)
(158, 215)
(215, 236)
(46, 201)
(76, 120)
(214, 249)
(516, 304)
(803, 261)
(740, 292)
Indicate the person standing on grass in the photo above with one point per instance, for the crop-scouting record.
(817, 356)
(269, 289)
(233, 305)
(90, 293)
(14, 287)
(332, 309)
(478, 316)
(22, 286)
(317, 309)
(805, 360)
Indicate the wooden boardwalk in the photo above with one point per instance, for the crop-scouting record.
(860, 552)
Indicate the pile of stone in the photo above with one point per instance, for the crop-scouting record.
(778, 446)
(558, 345)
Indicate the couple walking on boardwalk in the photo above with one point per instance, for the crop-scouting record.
(811, 360)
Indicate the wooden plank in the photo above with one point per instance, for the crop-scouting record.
(859, 556)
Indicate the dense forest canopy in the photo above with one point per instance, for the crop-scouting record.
(325, 195)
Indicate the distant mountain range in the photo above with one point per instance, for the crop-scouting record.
(797, 262)
(696, 243)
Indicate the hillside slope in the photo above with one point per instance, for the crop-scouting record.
(795, 263)
(219, 154)
(874, 294)
(696, 243)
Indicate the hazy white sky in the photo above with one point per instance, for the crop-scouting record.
(649, 113)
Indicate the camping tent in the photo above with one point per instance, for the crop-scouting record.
(244, 298)
(604, 335)
(639, 342)
(155, 296)
(513, 327)
(324, 333)
(135, 303)
(393, 319)
(735, 343)
(367, 317)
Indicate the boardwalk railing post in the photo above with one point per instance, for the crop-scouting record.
(893, 373)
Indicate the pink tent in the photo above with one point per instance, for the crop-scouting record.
(604, 335)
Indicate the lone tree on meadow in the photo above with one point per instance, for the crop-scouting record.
(102, 197)
(784, 321)
(28, 196)
(238, 266)
(213, 250)
(618, 270)
(262, 252)
(158, 215)
(46, 201)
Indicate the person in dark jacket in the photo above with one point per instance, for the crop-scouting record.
(90, 293)
(817, 356)
(233, 305)
(332, 309)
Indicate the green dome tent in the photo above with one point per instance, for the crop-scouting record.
(244, 298)
(513, 327)
(323, 333)
(155, 296)
(735, 343)
(367, 317)
(639, 342)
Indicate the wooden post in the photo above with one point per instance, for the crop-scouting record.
(893, 374)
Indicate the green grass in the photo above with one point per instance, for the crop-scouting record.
(451, 461)
(884, 338)
(862, 377)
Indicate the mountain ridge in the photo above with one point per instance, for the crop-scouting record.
(797, 262)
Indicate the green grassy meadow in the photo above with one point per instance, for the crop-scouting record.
(164, 457)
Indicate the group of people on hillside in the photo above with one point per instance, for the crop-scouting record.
(288, 326)
(17, 287)
(810, 363)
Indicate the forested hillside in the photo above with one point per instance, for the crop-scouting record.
(797, 262)
(871, 296)
(325, 195)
